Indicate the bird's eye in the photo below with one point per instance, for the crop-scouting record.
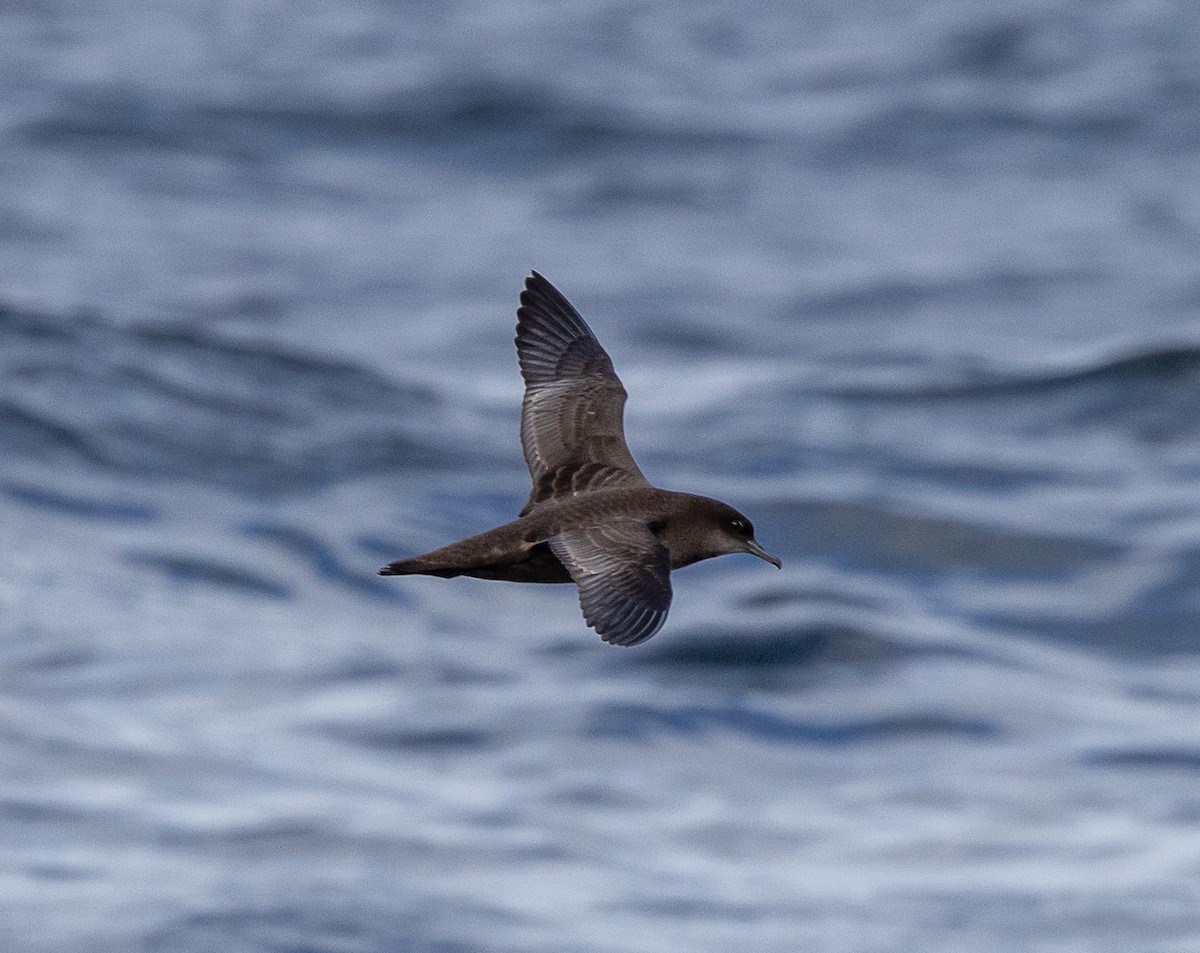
(738, 526)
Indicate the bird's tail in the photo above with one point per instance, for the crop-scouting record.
(418, 566)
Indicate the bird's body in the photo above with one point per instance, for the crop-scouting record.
(592, 518)
(519, 551)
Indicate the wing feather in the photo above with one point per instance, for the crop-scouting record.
(572, 418)
(624, 577)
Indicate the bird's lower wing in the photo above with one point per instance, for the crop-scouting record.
(624, 577)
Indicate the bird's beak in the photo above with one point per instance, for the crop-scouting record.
(753, 548)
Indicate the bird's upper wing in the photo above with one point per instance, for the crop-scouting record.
(572, 428)
(624, 577)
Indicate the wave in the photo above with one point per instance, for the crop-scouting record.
(443, 112)
(196, 570)
(88, 507)
(638, 722)
(1174, 367)
(314, 553)
(1147, 396)
(307, 923)
(400, 740)
(769, 648)
(1141, 759)
(171, 403)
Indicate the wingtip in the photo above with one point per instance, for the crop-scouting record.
(543, 305)
(534, 284)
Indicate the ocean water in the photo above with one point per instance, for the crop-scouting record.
(913, 284)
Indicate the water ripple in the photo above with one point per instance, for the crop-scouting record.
(173, 403)
(633, 722)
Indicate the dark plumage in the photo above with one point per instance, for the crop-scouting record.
(591, 517)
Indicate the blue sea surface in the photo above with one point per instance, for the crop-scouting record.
(915, 285)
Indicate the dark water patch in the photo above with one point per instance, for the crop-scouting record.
(1147, 759)
(995, 48)
(186, 570)
(397, 739)
(325, 380)
(17, 324)
(1147, 399)
(1154, 396)
(693, 910)
(23, 811)
(1173, 694)
(364, 666)
(276, 834)
(566, 644)
(1159, 620)
(866, 535)
(458, 109)
(774, 597)
(600, 796)
(376, 547)
(51, 657)
(178, 404)
(632, 186)
(331, 924)
(893, 295)
(644, 722)
(186, 395)
(38, 435)
(61, 873)
(904, 129)
(478, 674)
(74, 505)
(469, 118)
(769, 649)
(1168, 368)
(676, 333)
(324, 561)
(535, 119)
(1172, 366)
(1012, 475)
(900, 295)
(98, 116)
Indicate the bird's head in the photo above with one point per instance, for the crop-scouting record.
(716, 529)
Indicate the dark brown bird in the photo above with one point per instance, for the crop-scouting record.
(591, 518)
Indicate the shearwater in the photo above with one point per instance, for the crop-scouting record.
(592, 518)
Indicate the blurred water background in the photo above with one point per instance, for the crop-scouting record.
(914, 284)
